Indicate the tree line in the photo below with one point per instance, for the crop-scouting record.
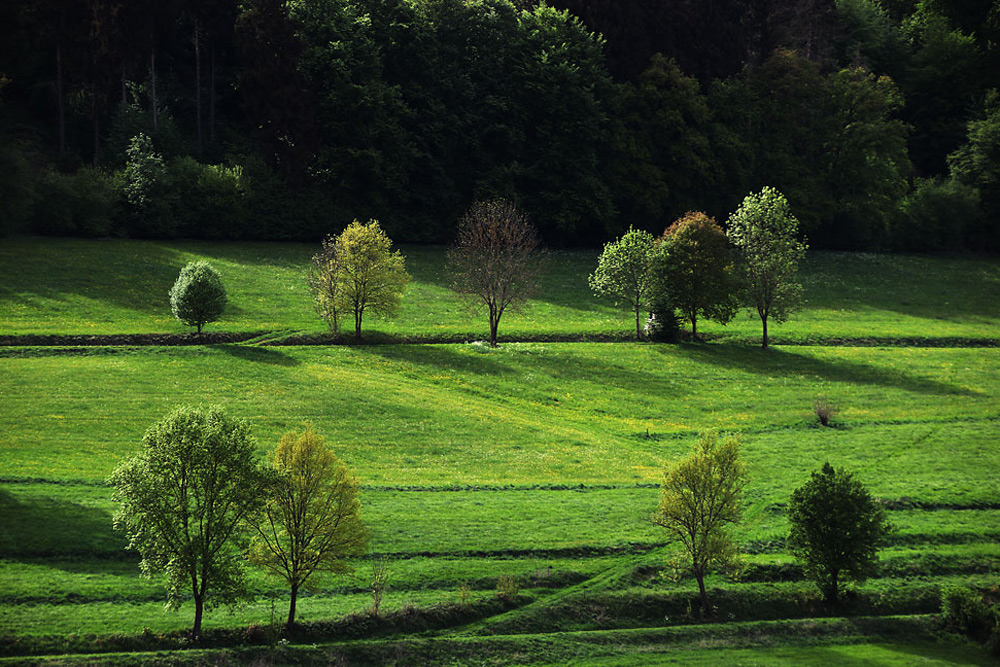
(269, 119)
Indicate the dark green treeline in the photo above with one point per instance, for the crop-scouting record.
(266, 119)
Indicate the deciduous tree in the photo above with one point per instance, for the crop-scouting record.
(624, 273)
(370, 277)
(701, 497)
(198, 296)
(496, 259)
(184, 498)
(836, 528)
(312, 520)
(764, 231)
(697, 268)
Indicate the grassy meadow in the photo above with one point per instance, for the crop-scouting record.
(536, 460)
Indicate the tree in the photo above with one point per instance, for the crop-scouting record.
(697, 270)
(977, 164)
(623, 272)
(701, 496)
(836, 527)
(198, 295)
(369, 277)
(763, 229)
(322, 279)
(496, 258)
(184, 498)
(312, 520)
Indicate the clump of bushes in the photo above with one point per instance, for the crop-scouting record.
(973, 613)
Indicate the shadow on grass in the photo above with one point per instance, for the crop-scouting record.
(131, 275)
(260, 355)
(440, 357)
(776, 362)
(47, 528)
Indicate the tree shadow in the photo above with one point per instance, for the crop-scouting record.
(775, 362)
(440, 357)
(280, 255)
(55, 528)
(261, 355)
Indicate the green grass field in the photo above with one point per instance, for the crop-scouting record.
(536, 460)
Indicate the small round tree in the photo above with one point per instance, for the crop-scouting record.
(836, 528)
(198, 296)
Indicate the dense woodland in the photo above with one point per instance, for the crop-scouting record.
(271, 119)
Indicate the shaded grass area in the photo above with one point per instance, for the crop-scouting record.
(867, 641)
(75, 286)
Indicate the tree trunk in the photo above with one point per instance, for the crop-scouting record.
(211, 94)
(763, 320)
(199, 328)
(357, 324)
(494, 325)
(59, 101)
(197, 82)
(638, 329)
(152, 79)
(97, 127)
(291, 607)
(694, 327)
(705, 607)
(833, 594)
(199, 607)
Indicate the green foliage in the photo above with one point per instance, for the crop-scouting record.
(937, 215)
(697, 270)
(977, 164)
(143, 191)
(624, 273)
(764, 232)
(664, 162)
(311, 522)
(966, 610)
(17, 188)
(81, 203)
(366, 275)
(836, 529)
(183, 499)
(198, 295)
(700, 499)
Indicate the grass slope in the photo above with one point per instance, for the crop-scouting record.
(73, 286)
(536, 460)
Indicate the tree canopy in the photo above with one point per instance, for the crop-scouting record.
(311, 522)
(836, 528)
(184, 498)
(624, 273)
(765, 234)
(700, 499)
(496, 259)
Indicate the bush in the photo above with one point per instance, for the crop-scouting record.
(662, 325)
(507, 587)
(936, 215)
(965, 611)
(198, 296)
(80, 203)
(824, 411)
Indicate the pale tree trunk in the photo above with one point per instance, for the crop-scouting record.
(152, 78)
(60, 102)
(211, 93)
(197, 81)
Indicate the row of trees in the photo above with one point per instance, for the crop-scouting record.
(690, 268)
(197, 503)
(273, 119)
(496, 261)
(835, 526)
